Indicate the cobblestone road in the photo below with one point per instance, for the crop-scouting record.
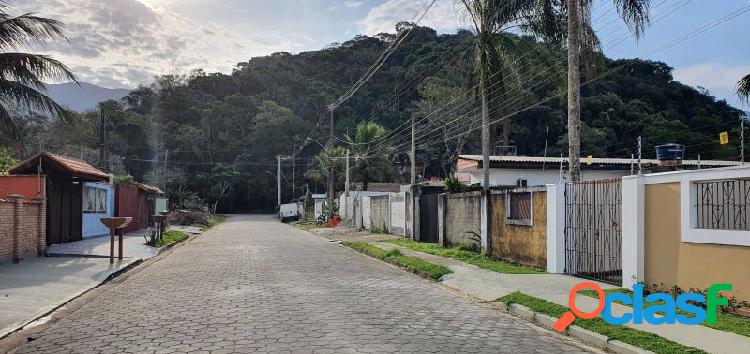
(253, 284)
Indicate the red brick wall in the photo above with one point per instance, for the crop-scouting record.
(29, 229)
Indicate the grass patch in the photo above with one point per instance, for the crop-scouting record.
(467, 255)
(724, 322)
(214, 220)
(305, 225)
(394, 256)
(172, 236)
(631, 336)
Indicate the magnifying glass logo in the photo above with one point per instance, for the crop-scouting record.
(567, 318)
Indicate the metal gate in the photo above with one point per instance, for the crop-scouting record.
(593, 232)
(428, 218)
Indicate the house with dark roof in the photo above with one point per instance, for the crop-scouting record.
(77, 196)
(535, 171)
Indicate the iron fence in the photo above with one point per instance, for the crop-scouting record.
(722, 204)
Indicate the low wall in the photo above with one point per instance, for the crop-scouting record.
(522, 244)
(669, 261)
(397, 215)
(379, 213)
(462, 219)
(22, 230)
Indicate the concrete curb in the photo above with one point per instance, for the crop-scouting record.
(594, 339)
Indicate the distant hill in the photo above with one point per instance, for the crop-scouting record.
(84, 97)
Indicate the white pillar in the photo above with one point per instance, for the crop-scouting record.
(556, 228)
(484, 221)
(633, 194)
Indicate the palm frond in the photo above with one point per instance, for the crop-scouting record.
(743, 88)
(31, 69)
(16, 31)
(32, 99)
(8, 126)
(635, 13)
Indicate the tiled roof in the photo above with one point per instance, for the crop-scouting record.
(379, 187)
(69, 164)
(149, 188)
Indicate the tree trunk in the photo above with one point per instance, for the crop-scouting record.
(574, 90)
(485, 113)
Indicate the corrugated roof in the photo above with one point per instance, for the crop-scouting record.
(595, 160)
(73, 166)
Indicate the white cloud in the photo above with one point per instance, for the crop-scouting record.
(445, 16)
(353, 3)
(121, 43)
(712, 75)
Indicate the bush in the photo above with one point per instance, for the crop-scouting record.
(188, 218)
(453, 185)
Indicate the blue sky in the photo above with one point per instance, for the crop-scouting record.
(121, 43)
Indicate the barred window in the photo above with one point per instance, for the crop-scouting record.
(518, 208)
(723, 204)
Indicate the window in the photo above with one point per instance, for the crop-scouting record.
(94, 200)
(518, 208)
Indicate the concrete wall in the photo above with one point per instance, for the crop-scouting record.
(509, 177)
(380, 213)
(462, 218)
(91, 225)
(26, 186)
(22, 225)
(398, 214)
(669, 261)
(521, 244)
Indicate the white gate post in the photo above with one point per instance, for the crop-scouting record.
(633, 194)
(556, 228)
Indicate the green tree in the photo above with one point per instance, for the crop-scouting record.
(22, 74)
(7, 161)
(367, 165)
(221, 179)
(635, 15)
(743, 88)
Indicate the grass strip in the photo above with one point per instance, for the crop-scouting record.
(305, 225)
(628, 335)
(467, 255)
(394, 256)
(724, 322)
(172, 236)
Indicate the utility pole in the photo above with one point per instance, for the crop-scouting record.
(632, 159)
(102, 141)
(293, 185)
(346, 187)
(413, 156)
(278, 180)
(640, 169)
(331, 182)
(166, 158)
(742, 140)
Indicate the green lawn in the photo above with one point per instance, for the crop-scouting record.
(631, 336)
(724, 322)
(394, 256)
(172, 236)
(464, 254)
(305, 225)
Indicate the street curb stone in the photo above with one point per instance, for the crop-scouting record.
(593, 338)
(521, 311)
(545, 321)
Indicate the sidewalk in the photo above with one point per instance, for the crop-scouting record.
(489, 286)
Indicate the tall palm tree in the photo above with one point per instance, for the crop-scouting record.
(743, 88)
(490, 17)
(22, 74)
(366, 166)
(635, 15)
(327, 167)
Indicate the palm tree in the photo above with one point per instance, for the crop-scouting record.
(326, 167)
(490, 17)
(635, 15)
(743, 88)
(366, 166)
(22, 74)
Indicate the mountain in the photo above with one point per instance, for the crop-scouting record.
(84, 97)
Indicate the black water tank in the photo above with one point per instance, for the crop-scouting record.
(670, 152)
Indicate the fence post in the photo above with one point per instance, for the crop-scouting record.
(485, 223)
(17, 210)
(41, 229)
(633, 252)
(556, 228)
(441, 219)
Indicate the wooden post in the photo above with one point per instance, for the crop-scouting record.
(112, 245)
(120, 251)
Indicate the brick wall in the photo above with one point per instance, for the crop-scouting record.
(21, 229)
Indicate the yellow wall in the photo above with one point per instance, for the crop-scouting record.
(525, 245)
(669, 261)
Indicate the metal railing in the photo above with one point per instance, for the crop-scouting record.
(722, 204)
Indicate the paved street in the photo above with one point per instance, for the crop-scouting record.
(253, 284)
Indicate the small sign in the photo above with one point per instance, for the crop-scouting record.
(589, 160)
(724, 138)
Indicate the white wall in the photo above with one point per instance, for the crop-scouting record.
(537, 177)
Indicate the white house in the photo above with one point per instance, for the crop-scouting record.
(537, 171)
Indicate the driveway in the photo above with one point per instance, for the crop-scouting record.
(254, 284)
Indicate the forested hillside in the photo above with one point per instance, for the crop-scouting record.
(221, 133)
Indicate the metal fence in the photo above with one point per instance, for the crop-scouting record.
(722, 204)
